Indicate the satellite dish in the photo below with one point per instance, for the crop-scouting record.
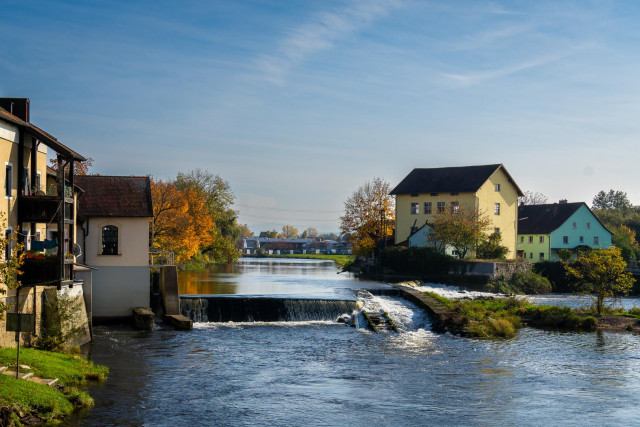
(76, 249)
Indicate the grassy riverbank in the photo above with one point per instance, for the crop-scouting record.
(502, 317)
(22, 399)
(338, 259)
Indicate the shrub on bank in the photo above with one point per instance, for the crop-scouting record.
(522, 282)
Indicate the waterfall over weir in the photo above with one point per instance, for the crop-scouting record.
(262, 309)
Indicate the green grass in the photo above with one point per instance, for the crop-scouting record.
(338, 259)
(48, 403)
(69, 369)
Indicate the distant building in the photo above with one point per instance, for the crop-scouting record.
(545, 229)
(114, 214)
(488, 188)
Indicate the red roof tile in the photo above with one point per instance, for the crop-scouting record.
(126, 196)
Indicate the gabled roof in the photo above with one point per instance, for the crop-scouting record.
(122, 196)
(544, 219)
(460, 179)
(48, 140)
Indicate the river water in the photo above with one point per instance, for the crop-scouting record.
(323, 373)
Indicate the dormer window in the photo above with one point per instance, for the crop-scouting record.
(109, 240)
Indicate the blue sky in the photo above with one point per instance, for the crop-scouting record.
(295, 104)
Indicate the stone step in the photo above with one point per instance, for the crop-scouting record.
(46, 381)
(23, 375)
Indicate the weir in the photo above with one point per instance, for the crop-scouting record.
(262, 309)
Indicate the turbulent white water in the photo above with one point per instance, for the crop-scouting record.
(454, 292)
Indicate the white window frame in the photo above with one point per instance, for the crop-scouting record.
(496, 209)
(428, 211)
(541, 239)
(415, 208)
(497, 187)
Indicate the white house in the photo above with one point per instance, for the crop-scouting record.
(113, 231)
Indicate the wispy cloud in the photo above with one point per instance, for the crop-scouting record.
(320, 32)
(470, 79)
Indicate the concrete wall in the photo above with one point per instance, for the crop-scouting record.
(116, 290)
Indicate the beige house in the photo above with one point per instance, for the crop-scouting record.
(490, 189)
(114, 214)
(39, 216)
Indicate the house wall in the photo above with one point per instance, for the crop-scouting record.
(133, 242)
(532, 251)
(9, 154)
(484, 200)
(507, 221)
(120, 282)
(405, 219)
(116, 290)
(581, 217)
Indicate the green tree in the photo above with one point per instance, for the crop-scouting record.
(601, 272)
(564, 254)
(617, 200)
(272, 234)
(368, 216)
(463, 229)
(625, 239)
(491, 248)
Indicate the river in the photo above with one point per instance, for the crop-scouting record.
(324, 373)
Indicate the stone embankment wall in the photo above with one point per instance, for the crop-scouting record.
(27, 304)
(489, 269)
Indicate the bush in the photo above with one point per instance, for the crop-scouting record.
(555, 273)
(491, 248)
(531, 283)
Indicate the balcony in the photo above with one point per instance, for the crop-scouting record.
(46, 270)
(41, 208)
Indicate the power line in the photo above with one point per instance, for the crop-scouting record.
(283, 209)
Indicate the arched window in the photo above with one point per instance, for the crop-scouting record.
(109, 240)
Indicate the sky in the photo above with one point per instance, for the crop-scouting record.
(297, 103)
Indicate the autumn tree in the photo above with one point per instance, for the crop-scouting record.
(271, 234)
(368, 216)
(463, 228)
(9, 268)
(601, 272)
(310, 233)
(290, 232)
(531, 198)
(79, 168)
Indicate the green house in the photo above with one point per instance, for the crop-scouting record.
(545, 229)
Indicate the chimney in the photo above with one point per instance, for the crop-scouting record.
(562, 202)
(19, 107)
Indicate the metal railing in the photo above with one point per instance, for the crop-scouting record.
(160, 258)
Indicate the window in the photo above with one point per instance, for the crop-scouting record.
(581, 239)
(588, 225)
(434, 194)
(521, 239)
(573, 225)
(496, 230)
(497, 187)
(596, 241)
(440, 207)
(530, 239)
(110, 240)
(454, 194)
(8, 179)
(427, 208)
(496, 209)
(530, 255)
(38, 182)
(414, 208)
(7, 249)
(414, 194)
(565, 240)
(541, 256)
(455, 207)
(541, 240)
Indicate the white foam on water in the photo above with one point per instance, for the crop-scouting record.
(454, 292)
(232, 325)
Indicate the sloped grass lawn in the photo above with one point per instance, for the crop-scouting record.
(42, 401)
